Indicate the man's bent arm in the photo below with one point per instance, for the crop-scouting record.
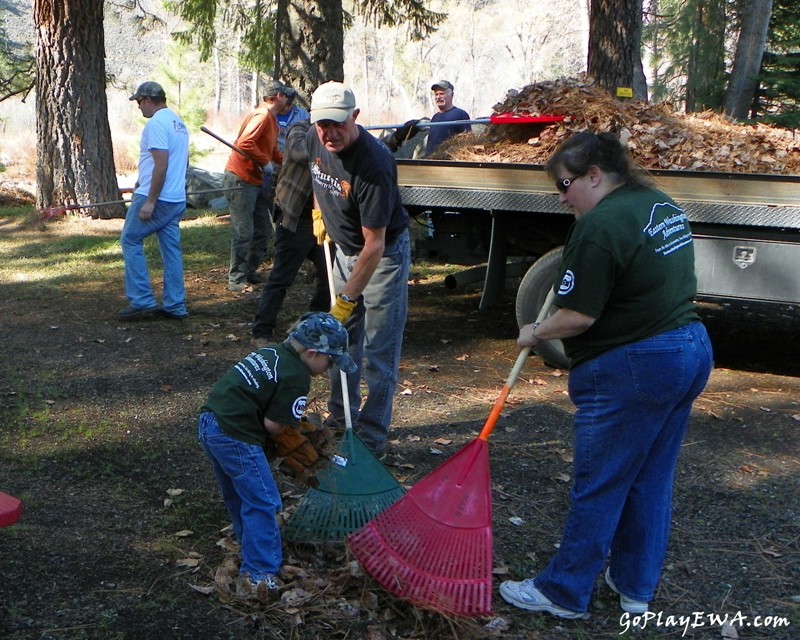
(368, 259)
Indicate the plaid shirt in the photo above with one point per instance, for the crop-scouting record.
(293, 192)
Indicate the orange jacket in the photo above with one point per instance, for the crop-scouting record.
(258, 138)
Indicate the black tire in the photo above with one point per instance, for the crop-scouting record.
(530, 297)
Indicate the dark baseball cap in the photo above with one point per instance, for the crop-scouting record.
(442, 84)
(323, 332)
(149, 89)
(274, 88)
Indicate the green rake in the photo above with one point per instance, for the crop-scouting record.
(352, 490)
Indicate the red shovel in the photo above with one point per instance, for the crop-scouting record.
(433, 547)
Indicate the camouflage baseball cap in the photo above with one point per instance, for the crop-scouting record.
(323, 332)
(149, 89)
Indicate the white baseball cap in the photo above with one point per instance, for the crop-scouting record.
(332, 101)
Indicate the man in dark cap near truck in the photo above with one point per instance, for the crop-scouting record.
(157, 205)
(407, 141)
(443, 97)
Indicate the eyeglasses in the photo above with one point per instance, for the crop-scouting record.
(563, 185)
(140, 100)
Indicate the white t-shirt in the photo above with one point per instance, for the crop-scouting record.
(165, 131)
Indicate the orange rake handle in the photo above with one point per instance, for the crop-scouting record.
(494, 415)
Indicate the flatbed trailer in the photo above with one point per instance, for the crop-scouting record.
(499, 217)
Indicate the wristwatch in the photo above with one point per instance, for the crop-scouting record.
(346, 298)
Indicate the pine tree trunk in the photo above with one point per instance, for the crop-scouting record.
(747, 60)
(74, 154)
(311, 44)
(615, 34)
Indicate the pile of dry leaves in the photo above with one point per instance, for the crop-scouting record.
(658, 136)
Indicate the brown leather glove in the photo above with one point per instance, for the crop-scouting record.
(295, 449)
(318, 435)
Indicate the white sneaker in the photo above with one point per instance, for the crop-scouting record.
(628, 604)
(526, 596)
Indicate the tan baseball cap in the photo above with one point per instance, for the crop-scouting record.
(332, 101)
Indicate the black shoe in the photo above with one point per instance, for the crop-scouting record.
(256, 278)
(181, 315)
(134, 313)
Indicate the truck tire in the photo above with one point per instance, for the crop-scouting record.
(530, 297)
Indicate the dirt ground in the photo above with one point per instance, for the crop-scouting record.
(122, 533)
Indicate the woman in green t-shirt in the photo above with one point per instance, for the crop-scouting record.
(639, 357)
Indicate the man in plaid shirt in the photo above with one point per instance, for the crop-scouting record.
(294, 239)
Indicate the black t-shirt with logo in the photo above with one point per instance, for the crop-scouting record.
(357, 188)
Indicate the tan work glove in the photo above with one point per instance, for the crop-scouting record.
(342, 309)
(295, 449)
(318, 226)
(318, 435)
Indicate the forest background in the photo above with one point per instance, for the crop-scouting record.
(485, 47)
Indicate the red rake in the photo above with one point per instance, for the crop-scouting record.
(10, 509)
(433, 547)
(53, 212)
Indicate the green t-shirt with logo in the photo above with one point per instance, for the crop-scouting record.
(272, 382)
(629, 263)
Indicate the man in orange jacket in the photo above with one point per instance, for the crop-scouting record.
(244, 174)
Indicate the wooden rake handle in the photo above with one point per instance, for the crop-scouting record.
(494, 415)
(348, 419)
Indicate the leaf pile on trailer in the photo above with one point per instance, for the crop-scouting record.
(658, 136)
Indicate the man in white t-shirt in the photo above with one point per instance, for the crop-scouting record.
(158, 203)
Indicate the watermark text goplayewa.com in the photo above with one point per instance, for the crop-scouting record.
(697, 620)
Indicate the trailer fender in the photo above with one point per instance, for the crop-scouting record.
(530, 297)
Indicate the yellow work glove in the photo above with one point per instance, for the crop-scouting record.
(295, 449)
(318, 226)
(342, 309)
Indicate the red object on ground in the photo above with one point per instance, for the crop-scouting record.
(433, 547)
(10, 509)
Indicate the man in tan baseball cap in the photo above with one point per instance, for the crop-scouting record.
(354, 178)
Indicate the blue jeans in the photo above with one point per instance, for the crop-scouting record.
(165, 224)
(633, 405)
(251, 228)
(250, 495)
(376, 337)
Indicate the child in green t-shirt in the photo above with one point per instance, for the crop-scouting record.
(264, 395)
